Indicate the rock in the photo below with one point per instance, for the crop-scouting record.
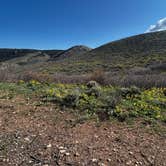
(129, 162)
(114, 150)
(62, 151)
(67, 154)
(61, 147)
(93, 88)
(76, 154)
(77, 142)
(108, 160)
(92, 84)
(131, 153)
(102, 164)
(94, 160)
(27, 139)
(96, 136)
(49, 146)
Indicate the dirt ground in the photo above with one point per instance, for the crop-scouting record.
(40, 135)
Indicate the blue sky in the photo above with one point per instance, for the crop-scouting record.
(60, 24)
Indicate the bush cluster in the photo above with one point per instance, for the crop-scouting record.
(108, 101)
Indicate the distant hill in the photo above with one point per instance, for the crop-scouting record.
(145, 50)
(136, 47)
(73, 52)
(35, 60)
(141, 45)
(140, 50)
(17, 54)
(53, 53)
(7, 54)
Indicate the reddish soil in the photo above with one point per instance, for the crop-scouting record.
(44, 136)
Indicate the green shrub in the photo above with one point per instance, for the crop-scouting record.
(132, 91)
(72, 99)
(106, 102)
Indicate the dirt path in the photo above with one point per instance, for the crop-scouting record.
(44, 136)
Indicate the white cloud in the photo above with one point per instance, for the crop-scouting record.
(159, 26)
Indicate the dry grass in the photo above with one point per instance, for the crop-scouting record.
(139, 77)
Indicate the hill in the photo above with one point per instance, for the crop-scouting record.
(142, 45)
(7, 54)
(137, 51)
(22, 60)
(145, 51)
(73, 52)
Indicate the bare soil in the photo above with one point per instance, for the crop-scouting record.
(42, 135)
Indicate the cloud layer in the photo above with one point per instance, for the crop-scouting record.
(159, 26)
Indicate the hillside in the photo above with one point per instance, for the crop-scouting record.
(145, 51)
(22, 60)
(17, 54)
(73, 52)
(142, 45)
(140, 50)
(7, 54)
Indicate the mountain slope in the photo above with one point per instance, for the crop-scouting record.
(143, 50)
(144, 44)
(74, 52)
(22, 60)
(9, 54)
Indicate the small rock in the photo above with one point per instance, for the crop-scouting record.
(76, 154)
(102, 164)
(129, 162)
(49, 146)
(114, 150)
(67, 154)
(5, 160)
(150, 159)
(131, 153)
(61, 147)
(140, 163)
(108, 160)
(96, 136)
(94, 160)
(77, 142)
(27, 139)
(62, 151)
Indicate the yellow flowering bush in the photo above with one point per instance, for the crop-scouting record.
(117, 102)
(151, 103)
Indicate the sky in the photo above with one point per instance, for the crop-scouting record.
(60, 24)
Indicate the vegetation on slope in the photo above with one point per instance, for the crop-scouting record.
(105, 102)
(140, 45)
(146, 50)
